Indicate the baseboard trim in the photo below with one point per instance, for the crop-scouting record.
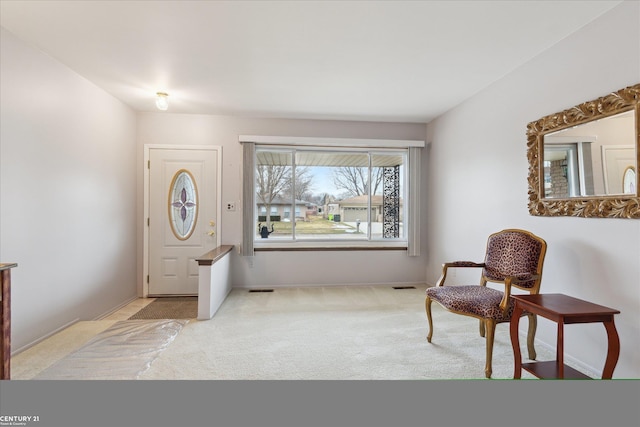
(118, 307)
(333, 285)
(39, 340)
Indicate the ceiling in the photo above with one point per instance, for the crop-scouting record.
(396, 61)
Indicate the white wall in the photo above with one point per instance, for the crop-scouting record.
(68, 206)
(280, 268)
(478, 184)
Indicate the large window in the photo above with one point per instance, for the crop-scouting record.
(328, 196)
(337, 195)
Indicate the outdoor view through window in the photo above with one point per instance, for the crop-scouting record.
(322, 194)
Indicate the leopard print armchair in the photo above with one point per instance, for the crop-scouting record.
(513, 258)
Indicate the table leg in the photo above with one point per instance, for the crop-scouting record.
(515, 341)
(560, 349)
(613, 351)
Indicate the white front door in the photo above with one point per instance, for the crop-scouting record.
(183, 216)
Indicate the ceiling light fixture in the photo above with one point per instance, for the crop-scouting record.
(161, 101)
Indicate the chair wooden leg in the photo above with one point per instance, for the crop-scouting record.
(490, 326)
(427, 306)
(531, 334)
(482, 329)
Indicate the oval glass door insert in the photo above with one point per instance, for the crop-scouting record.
(183, 204)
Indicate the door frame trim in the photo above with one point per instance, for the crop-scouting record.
(146, 185)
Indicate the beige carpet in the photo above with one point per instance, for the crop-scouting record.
(328, 333)
(169, 308)
(345, 333)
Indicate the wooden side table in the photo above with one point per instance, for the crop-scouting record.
(5, 320)
(563, 309)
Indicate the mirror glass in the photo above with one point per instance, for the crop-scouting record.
(591, 159)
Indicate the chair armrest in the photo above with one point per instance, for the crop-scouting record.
(508, 282)
(456, 264)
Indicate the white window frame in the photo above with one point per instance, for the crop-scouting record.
(412, 242)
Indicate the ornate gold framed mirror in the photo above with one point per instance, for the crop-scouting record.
(582, 160)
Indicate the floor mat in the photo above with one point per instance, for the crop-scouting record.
(169, 308)
(122, 352)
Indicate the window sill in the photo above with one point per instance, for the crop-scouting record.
(342, 248)
(306, 246)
